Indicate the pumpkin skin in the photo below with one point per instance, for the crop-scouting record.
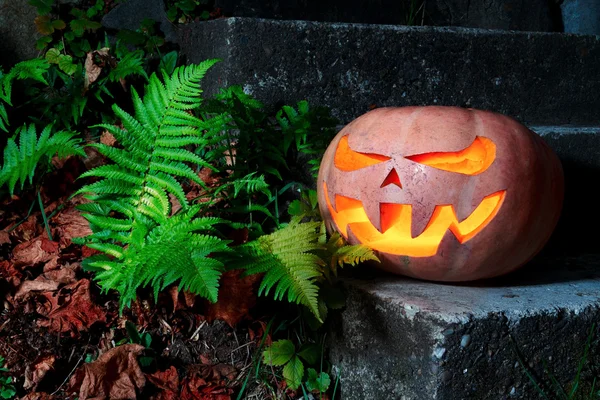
(441, 193)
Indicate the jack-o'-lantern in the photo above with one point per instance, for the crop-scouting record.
(441, 193)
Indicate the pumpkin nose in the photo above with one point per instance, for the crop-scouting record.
(392, 179)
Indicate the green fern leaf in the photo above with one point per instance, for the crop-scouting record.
(131, 64)
(29, 69)
(147, 245)
(288, 259)
(21, 161)
(3, 118)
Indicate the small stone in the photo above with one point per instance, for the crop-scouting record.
(447, 376)
(439, 352)
(448, 332)
(513, 391)
(465, 340)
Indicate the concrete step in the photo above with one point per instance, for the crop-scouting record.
(578, 147)
(411, 340)
(538, 78)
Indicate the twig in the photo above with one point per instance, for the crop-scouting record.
(74, 368)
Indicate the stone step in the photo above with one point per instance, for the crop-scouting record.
(406, 339)
(538, 78)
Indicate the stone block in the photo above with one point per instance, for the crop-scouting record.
(18, 32)
(526, 15)
(538, 78)
(405, 339)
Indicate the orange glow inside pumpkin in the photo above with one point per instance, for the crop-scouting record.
(470, 161)
(396, 220)
(346, 159)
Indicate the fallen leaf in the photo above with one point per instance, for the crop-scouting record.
(28, 229)
(11, 274)
(92, 71)
(35, 285)
(4, 237)
(168, 381)
(35, 373)
(108, 139)
(38, 396)
(49, 281)
(70, 309)
(37, 250)
(63, 274)
(235, 303)
(71, 224)
(116, 374)
(196, 388)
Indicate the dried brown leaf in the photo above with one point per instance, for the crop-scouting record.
(11, 274)
(196, 388)
(71, 224)
(235, 303)
(70, 309)
(37, 250)
(116, 374)
(38, 396)
(108, 139)
(35, 373)
(4, 237)
(168, 381)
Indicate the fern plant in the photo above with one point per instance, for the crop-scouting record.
(270, 149)
(130, 213)
(300, 258)
(21, 160)
(30, 69)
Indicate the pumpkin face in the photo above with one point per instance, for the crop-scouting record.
(441, 193)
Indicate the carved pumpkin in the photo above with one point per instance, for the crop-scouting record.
(441, 193)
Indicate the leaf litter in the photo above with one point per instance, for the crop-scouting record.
(63, 339)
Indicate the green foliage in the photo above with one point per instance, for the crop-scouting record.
(22, 160)
(141, 338)
(145, 244)
(59, 28)
(146, 37)
(317, 382)
(30, 69)
(272, 146)
(288, 260)
(283, 353)
(183, 11)
(7, 388)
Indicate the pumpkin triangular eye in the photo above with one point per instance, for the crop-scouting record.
(347, 159)
(470, 161)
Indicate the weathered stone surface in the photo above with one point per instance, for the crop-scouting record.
(521, 15)
(405, 339)
(581, 16)
(130, 14)
(524, 15)
(579, 151)
(538, 78)
(18, 32)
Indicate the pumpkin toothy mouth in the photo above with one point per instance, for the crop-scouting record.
(395, 236)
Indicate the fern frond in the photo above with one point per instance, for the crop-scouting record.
(131, 64)
(21, 161)
(250, 185)
(29, 69)
(3, 118)
(352, 255)
(288, 259)
(146, 244)
(173, 251)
